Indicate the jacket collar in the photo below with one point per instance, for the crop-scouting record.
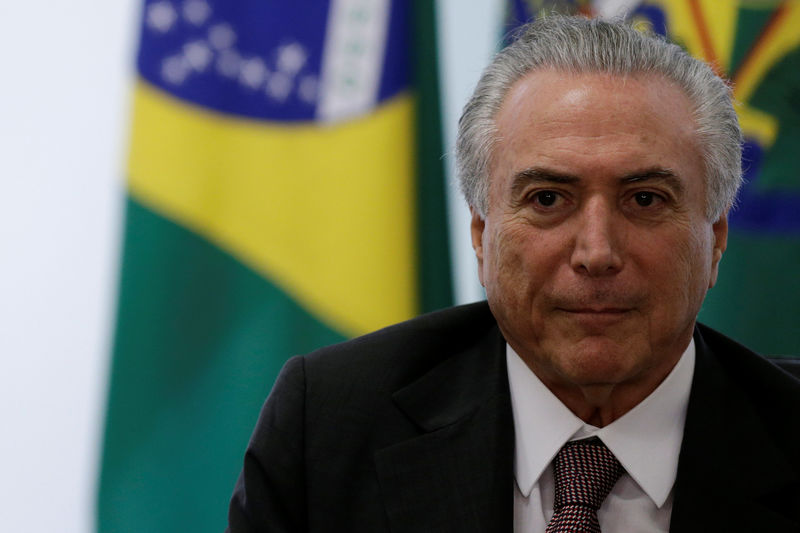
(458, 473)
(730, 471)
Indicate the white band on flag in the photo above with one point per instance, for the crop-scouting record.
(352, 60)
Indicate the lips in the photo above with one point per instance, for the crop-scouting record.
(596, 302)
(597, 310)
(596, 319)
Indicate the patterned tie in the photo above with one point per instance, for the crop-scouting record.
(585, 472)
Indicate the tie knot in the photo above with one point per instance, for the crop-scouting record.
(585, 471)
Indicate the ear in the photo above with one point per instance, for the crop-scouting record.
(720, 229)
(477, 225)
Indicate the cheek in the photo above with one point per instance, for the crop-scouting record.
(684, 264)
(701, 258)
(520, 265)
(502, 259)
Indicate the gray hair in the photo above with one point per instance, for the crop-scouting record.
(578, 45)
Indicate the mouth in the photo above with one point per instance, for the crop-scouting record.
(596, 317)
(596, 310)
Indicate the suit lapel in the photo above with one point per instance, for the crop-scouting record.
(729, 469)
(458, 474)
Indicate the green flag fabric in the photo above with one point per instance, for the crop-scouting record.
(277, 202)
(756, 45)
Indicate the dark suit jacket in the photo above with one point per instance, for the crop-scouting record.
(410, 429)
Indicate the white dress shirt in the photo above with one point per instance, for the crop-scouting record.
(646, 440)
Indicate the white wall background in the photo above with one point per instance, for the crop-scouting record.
(67, 69)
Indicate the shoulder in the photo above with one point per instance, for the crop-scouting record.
(738, 468)
(754, 389)
(405, 350)
(762, 378)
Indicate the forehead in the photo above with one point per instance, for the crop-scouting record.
(595, 124)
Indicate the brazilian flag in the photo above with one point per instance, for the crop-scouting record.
(285, 192)
(756, 45)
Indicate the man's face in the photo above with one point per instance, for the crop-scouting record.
(595, 252)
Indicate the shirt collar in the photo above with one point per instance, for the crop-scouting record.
(654, 428)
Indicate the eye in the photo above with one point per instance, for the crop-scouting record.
(546, 198)
(646, 198)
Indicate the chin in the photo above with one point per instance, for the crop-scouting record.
(598, 362)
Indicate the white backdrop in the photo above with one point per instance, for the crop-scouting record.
(67, 69)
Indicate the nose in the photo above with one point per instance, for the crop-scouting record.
(598, 240)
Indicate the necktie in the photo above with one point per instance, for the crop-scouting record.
(585, 471)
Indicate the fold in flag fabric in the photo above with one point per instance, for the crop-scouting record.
(756, 45)
(278, 200)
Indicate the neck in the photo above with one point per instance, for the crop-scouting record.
(599, 404)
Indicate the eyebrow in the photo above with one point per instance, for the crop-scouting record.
(655, 174)
(540, 175)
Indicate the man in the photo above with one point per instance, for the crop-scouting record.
(599, 164)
